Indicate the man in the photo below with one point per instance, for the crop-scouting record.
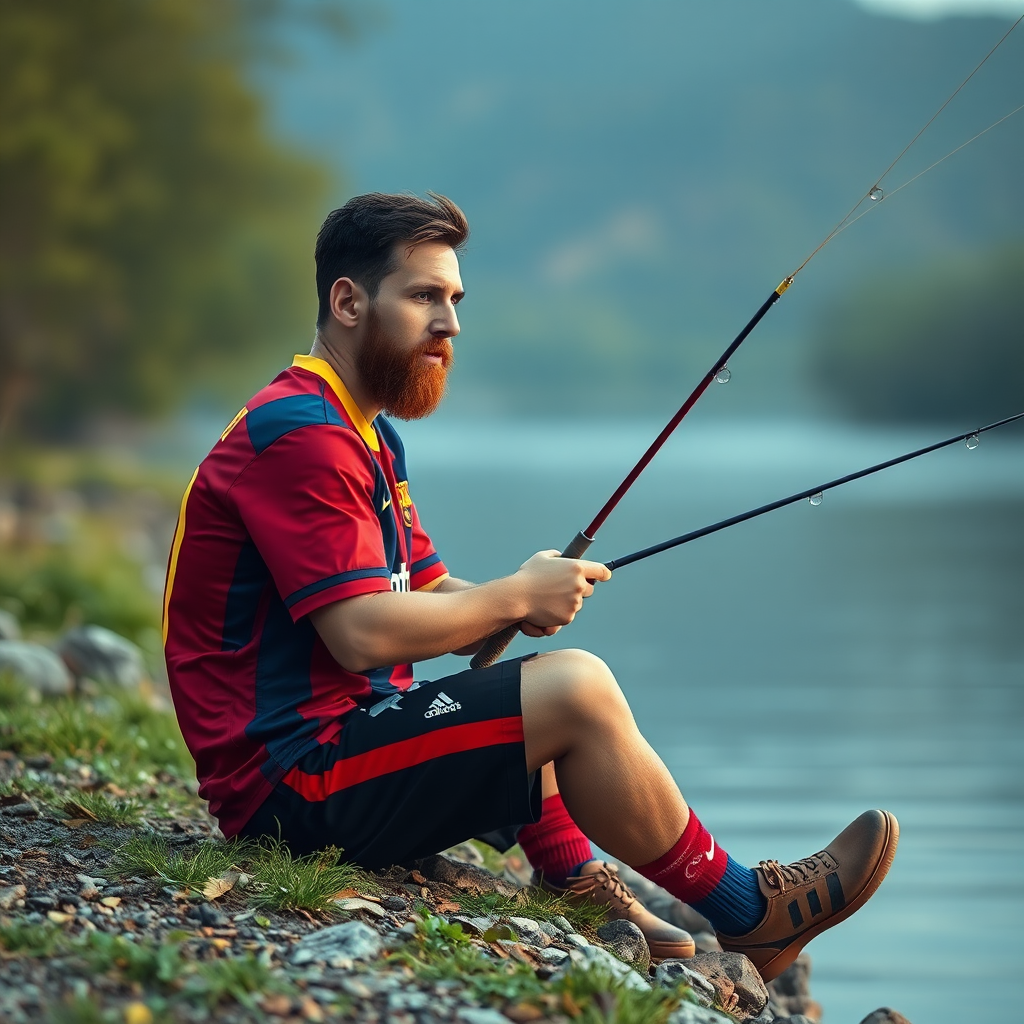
(302, 586)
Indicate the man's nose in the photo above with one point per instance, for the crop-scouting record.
(446, 326)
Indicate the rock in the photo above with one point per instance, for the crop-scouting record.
(552, 931)
(706, 942)
(563, 924)
(577, 940)
(595, 956)
(529, 932)
(790, 993)
(9, 628)
(97, 653)
(741, 992)
(627, 942)
(36, 666)
(691, 1013)
(394, 903)
(338, 946)
(460, 875)
(671, 973)
(884, 1015)
(354, 903)
(480, 1015)
(551, 955)
(10, 895)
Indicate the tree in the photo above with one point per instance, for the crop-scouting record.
(150, 226)
(947, 342)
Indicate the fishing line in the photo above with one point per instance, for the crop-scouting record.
(842, 225)
(813, 494)
(494, 646)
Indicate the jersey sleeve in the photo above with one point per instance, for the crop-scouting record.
(307, 503)
(427, 569)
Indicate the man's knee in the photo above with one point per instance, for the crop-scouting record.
(580, 682)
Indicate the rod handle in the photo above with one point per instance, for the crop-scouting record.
(494, 646)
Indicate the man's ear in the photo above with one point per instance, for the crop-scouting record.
(348, 302)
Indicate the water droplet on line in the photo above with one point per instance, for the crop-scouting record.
(876, 193)
(816, 499)
(973, 441)
(724, 375)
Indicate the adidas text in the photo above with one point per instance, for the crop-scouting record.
(441, 705)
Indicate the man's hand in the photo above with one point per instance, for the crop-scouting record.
(555, 589)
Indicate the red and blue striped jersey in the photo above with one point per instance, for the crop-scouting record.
(299, 504)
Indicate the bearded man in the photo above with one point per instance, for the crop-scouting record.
(302, 587)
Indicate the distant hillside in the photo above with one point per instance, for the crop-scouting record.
(639, 177)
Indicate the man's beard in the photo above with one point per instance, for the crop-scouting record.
(401, 382)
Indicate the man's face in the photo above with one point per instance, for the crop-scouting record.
(406, 352)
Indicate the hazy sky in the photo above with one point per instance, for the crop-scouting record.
(939, 8)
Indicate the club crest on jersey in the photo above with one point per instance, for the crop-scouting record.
(402, 487)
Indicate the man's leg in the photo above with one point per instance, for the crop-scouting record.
(622, 796)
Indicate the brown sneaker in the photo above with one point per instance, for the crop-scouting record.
(813, 894)
(599, 882)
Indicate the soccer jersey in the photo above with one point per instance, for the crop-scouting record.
(300, 503)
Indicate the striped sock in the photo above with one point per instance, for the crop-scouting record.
(554, 846)
(699, 872)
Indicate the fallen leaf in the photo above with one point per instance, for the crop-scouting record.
(111, 901)
(263, 922)
(77, 810)
(59, 917)
(497, 949)
(215, 887)
(311, 1010)
(77, 822)
(115, 790)
(447, 907)
(499, 931)
(221, 943)
(359, 904)
(417, 878)
(345, 894)
(523, 1013)
(277, 1004)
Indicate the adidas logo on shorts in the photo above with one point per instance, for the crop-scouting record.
(441, 705)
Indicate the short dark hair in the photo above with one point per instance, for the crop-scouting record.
(359, 240)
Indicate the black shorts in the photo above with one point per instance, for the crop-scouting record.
(412, 774)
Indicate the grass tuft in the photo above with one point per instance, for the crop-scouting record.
(103, 809)
(282, 881)
(536, 904)
(239, 979)
(30, 939)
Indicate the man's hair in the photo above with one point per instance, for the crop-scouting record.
(360, 240)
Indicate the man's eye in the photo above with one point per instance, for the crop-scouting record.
(422, 295)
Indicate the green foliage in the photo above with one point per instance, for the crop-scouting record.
(282, 881)
(603, 999)
(149, 224)
(104, 810)
(30, 939)
(235, 978)
(945, 343)
(536, 904)
(137, 961)
(118, 733)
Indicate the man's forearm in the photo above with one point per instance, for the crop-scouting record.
(395, 629)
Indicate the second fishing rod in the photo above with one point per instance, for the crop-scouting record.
(494, 646)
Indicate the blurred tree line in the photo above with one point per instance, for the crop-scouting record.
(151, 227)
(945, 342)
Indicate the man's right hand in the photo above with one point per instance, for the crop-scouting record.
(554, 588)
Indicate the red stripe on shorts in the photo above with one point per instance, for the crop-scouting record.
(393, 757)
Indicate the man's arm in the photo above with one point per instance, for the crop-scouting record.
(394, 629)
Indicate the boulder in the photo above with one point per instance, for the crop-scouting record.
(338, 946)
(884, 1015)
(741, 992)
(691, 1013)
(590, 957)
(671, 973)
(460, 875)
(627, 942)
(790, 993)
(96, 653)
(529, 932)
(35, 666)
(9, 628)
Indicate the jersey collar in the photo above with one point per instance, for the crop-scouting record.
(323, 369)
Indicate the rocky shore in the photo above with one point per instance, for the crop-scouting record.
(119, 901)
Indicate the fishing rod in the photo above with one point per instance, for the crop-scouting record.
(813, 494)
(494, 646)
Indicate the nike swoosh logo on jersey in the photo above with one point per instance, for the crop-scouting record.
(711, 853)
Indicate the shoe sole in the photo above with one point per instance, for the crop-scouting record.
(671, 951)
(780, 962)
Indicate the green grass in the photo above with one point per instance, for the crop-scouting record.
(103, 809)
(281, 881)
(148, 854)
(238, 979)
(537, 905)
(30, 939)
(118, 733)
(137, 961)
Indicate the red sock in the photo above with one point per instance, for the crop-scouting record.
(693, 867)
(554, 845)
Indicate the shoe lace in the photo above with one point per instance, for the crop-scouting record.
(606, 878)
(780, 876)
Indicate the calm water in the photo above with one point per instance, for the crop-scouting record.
(796, 670)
